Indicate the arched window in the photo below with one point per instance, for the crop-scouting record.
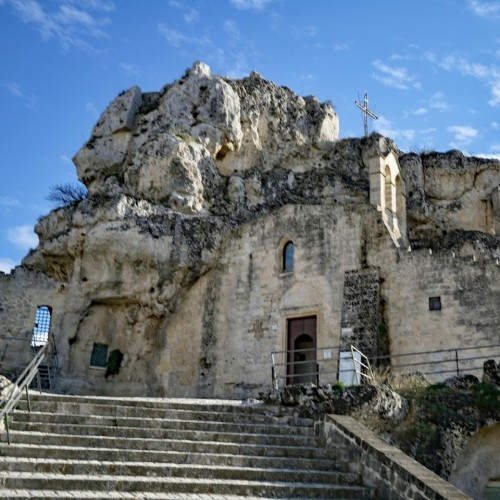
(399, 196)
(388, 189)
(40, 333)
(288, 256)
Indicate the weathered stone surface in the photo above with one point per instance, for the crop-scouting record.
(5, 387)
(175, 257)
(491, 372)
(359, 400)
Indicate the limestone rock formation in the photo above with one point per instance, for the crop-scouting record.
(193, 190)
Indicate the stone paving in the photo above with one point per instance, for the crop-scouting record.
(162, 448)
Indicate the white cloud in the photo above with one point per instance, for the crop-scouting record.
(6, 265)
(14, 89)
(419, 111)
(340, 47)
(71, 22)
(90, 107)
(397, 78)
(494, 125)
(495, 147)
(231, 29)
(305, 31)
(489, 156)
(485, 9)
(23, 237)
(407, 138)
(7, 201)
(191, 16)
(66, 159)
(489, 75)
(400, 57)
(129, 69)
(463, 135)
(176, 38)
(438, 101)
(104, 5)
(250, 4)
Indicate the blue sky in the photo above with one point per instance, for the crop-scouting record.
(431, 69)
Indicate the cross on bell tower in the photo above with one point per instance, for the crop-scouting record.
(366, 112)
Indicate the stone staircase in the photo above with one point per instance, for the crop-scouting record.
(95, 447)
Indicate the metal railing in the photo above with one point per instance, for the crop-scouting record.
(21, 384)
(325, 364)
(440, 362)
(362, 366)
(321, 364)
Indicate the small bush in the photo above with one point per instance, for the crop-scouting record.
(486, 397)
(64, 195)
(114, 363)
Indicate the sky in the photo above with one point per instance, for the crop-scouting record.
(431, 69)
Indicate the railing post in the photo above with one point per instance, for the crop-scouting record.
(456, 361)
(28, 399)
(6, 420)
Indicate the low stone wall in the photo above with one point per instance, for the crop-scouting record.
(388, 469)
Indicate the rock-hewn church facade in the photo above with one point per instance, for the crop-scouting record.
(225, 221)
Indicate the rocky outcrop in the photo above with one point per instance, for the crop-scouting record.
(169, 147)
(363, 401)
(449, 191)
(172, 175)
(431, 423)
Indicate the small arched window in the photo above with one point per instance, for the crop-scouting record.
(40, 333)
(288, 256)
(388, 189)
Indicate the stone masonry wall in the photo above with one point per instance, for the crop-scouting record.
(256, 298)
(469, 315)
(361, 315)
(393, 474)
(20, 295)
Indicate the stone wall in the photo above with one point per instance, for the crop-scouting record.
(253, 297)
(469, 315)
(20, 295)
(361, 312)
(393, 474)
(175, 256)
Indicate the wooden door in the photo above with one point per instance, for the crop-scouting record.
(301, 367)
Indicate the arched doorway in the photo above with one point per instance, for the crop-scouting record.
(301, 360)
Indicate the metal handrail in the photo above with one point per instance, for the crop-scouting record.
(22, 383)
(419, 359)
(367, 373)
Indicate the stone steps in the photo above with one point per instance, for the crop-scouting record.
(104, 483)
(199, 471)
(172, 434)
(162, 423)
(174, 457)
(86, 447)
(108, 410)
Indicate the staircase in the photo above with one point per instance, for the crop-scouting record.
(94, 447)
(44, 377)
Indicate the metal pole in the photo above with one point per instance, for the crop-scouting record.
(6, 420)
(456, 361)
(28, 399)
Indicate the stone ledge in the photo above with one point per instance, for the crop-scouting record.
(383, 466)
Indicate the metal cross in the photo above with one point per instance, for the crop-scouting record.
(366, 112)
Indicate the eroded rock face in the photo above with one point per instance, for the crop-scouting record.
(361, 401)
(173, 175)
(162, 146)
(451, 191)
